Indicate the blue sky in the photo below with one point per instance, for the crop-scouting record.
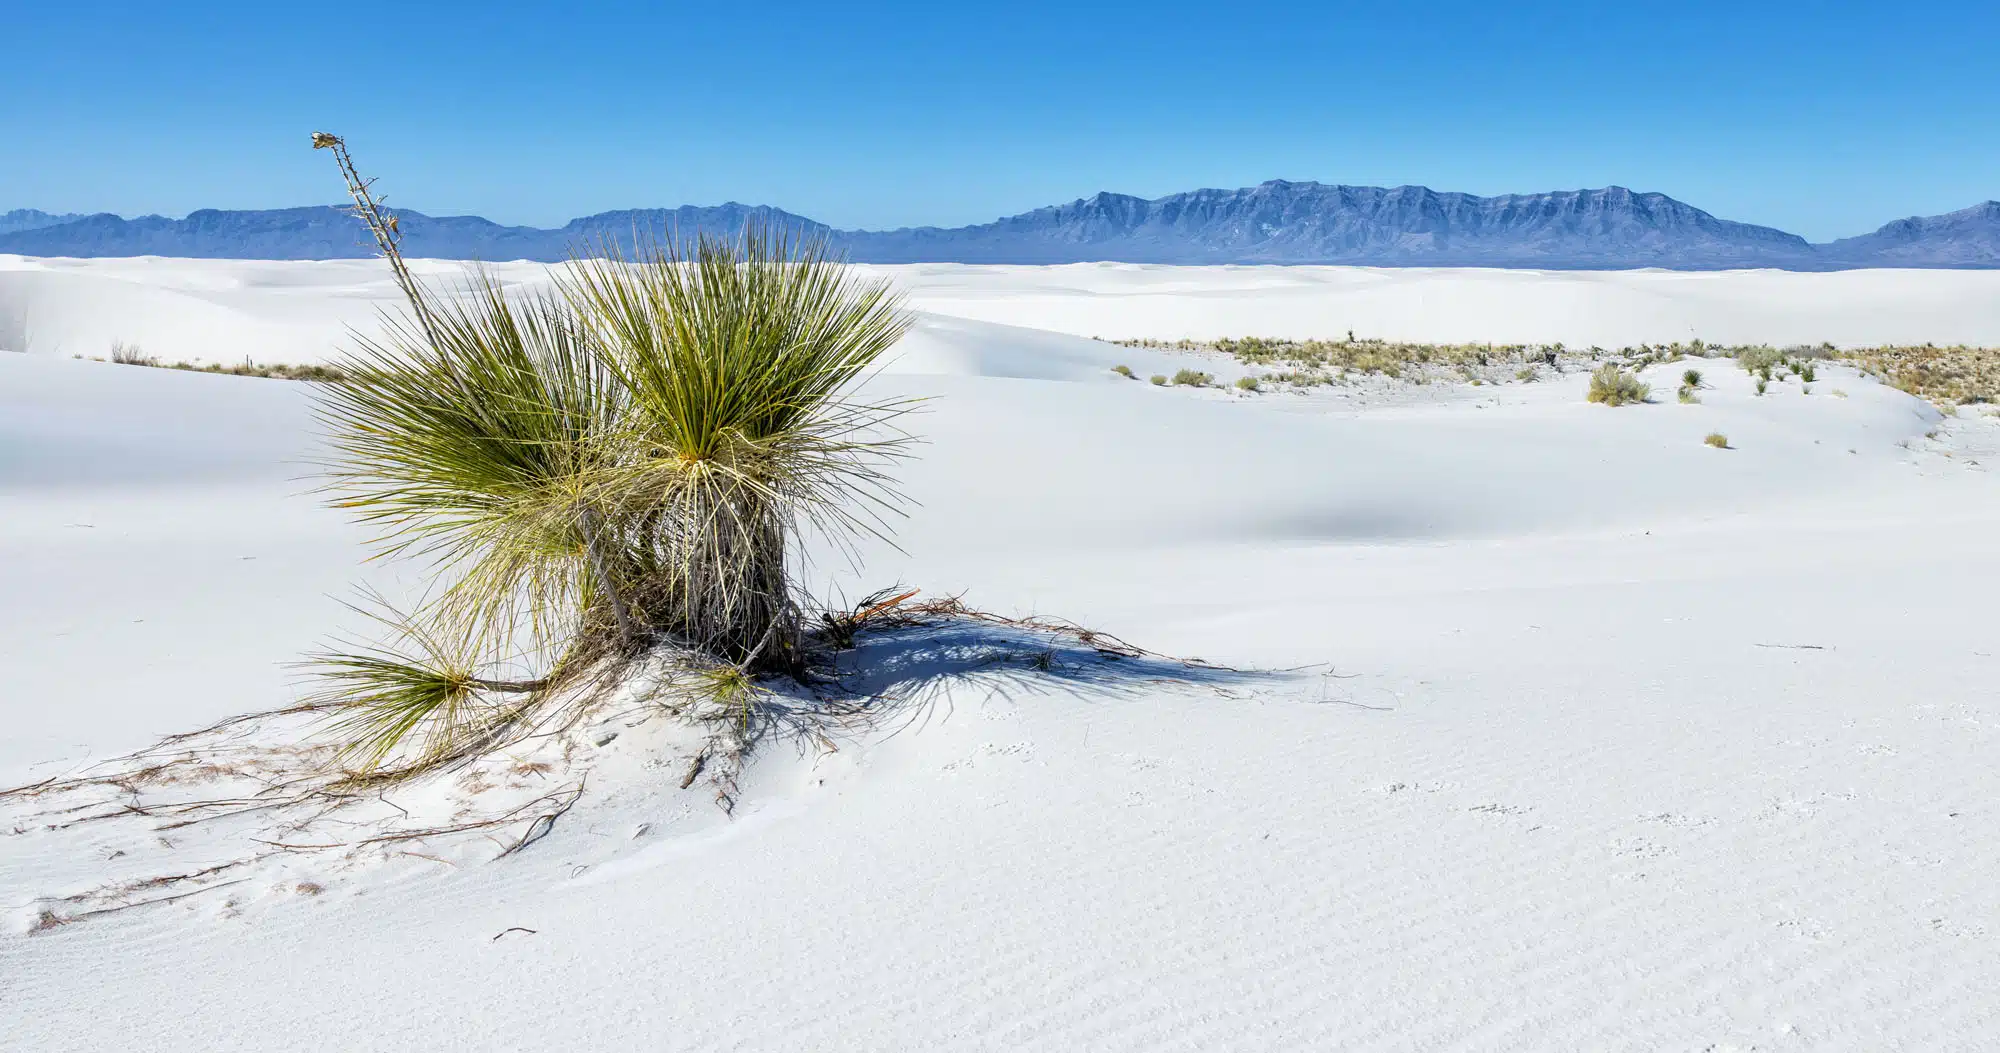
(1825, 119)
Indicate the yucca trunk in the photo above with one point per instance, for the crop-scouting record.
(721, 577)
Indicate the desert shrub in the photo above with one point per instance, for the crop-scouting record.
(1686, 394)
(1807, 372)
(1246, 383)
(1758, 359)
(1526, 374)
(131, 355)
(1691, 379)
(1124, 371)
(1717, 440)
(1762, 384)
(1612, 386)
(1159, 380)
(1193, 378)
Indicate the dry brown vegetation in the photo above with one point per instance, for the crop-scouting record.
(130, 355)
(1945, 375)
(1311, 363)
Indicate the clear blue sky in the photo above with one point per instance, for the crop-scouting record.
(1826, 119)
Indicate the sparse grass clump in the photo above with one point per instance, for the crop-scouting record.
(317, 372)
(1158, 380)
(1246, 383)
(1691, 379)
(130, 355)
(1124, 371)
(1193, 378)
(1717, 440)
(1612, 386)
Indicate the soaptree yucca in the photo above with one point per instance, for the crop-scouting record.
(620, 464)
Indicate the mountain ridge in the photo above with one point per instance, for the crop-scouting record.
(1277, 221)
(33, 219)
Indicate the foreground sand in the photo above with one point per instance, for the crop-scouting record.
(1609, 739)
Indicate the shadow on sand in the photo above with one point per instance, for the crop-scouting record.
(900, 676)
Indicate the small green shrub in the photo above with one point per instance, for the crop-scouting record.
(1158, 380)
(1193, 378)
(1717, 440)
(1686, 394)
(1124, 371)
(1612, 386)
(1807, 373)
(1761, 385)
(1759, 359)
(1526, 374)
(1246, 383)
(1691, 379)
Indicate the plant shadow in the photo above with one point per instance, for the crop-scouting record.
(905, 675)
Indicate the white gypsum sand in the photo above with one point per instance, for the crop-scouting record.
(297, 311)
(1607, 738)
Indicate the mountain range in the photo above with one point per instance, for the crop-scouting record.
(32, 219)
(1273, 222)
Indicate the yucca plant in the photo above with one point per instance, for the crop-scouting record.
(620, 464)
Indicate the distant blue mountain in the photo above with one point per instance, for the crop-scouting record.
(1281, 222)
(1274, 222)
(31, 219)
(325, 232)
(1967, 238)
